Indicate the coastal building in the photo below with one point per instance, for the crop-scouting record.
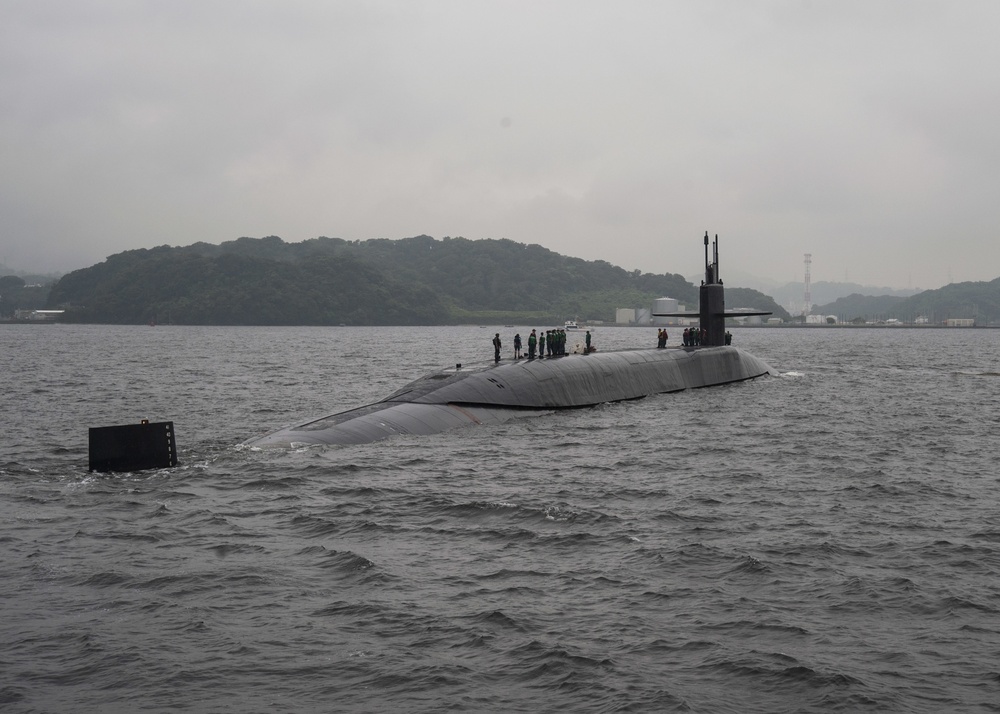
(664, 305)
(624, 316)
(38, 315)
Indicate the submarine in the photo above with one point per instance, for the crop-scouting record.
(493, 392)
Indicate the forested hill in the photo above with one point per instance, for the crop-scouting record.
(978, 300)
(329, 281)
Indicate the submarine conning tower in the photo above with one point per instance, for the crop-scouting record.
(712, 302)
(712, 299)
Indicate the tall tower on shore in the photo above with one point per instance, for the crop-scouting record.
(808, 296)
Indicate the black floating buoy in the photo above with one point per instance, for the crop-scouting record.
(133, 447)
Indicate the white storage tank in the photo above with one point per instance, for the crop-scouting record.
(624, 316)
(661, 305)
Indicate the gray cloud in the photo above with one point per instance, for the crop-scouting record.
(861, 132)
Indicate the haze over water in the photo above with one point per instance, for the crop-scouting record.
(824, 540)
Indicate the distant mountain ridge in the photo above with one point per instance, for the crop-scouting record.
(329, 281)
(792, 295)
(29, 277)
(423, 281)
(970, 300)
(865, 303)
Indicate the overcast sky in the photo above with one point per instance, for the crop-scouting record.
(863, 132)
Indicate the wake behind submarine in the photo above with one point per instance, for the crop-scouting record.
(493, 392)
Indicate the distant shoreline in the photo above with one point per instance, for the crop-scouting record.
(784, 326)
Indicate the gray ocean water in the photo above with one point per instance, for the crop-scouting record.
(827, 539)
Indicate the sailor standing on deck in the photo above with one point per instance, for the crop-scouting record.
(496, 347)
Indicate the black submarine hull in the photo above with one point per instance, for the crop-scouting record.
(494, 392)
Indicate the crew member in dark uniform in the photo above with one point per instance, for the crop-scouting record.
(496, 348)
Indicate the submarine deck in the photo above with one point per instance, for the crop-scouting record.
(493, 392)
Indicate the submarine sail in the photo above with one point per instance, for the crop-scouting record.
(712, 301)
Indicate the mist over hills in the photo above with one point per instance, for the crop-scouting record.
(791, 295)
(422, 280)
(22, 292)
(852, 302)
(29, 277)
(324, 281)
(970, 300)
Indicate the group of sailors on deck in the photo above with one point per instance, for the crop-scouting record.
(551, 343)
(694, 336)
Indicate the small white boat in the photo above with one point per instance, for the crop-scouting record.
(571, 325)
